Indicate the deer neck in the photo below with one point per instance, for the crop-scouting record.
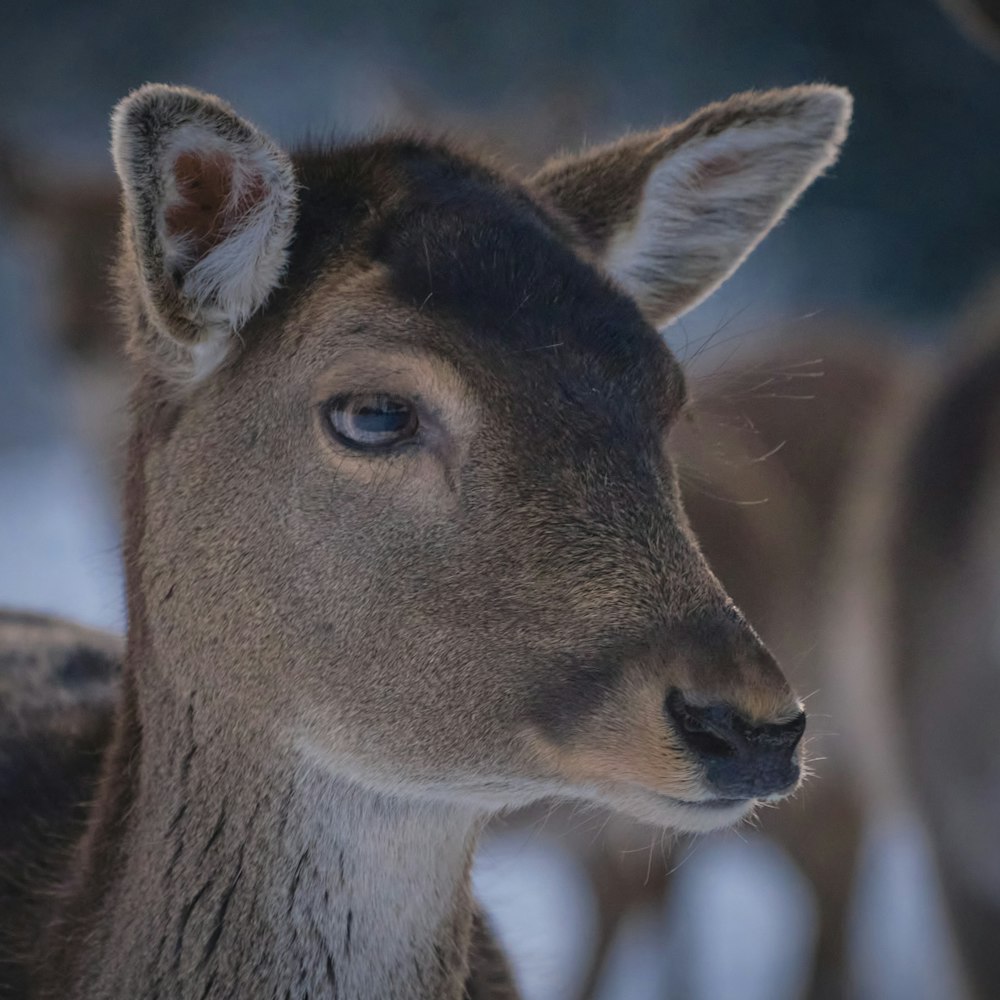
(222, 860)
(241, 873)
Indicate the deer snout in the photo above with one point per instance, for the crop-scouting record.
(740, 759)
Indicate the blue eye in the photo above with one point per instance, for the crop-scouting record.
(372, 421)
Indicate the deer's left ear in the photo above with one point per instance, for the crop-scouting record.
(671, 214)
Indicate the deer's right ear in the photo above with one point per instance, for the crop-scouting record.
(210, 206)
(671, 214)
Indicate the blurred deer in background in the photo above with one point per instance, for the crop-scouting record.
(979, 20)
(946, 657)
(915, 595)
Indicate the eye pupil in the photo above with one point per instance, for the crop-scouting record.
(392, 416)
(373, 421)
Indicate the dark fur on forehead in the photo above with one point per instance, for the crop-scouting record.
(349, 191)
(467, 244)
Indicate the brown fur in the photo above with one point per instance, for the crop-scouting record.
(979, 21)
(914, 613)
(945, 652)
(58, 686)
(339, 663)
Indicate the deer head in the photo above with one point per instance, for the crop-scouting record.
(406, 503)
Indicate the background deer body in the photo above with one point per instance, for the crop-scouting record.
(413, 553)
(914, 619)
(946, 571)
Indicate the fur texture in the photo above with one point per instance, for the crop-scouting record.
(210, 211)
(340, 662)
(945, 580)
(673, 213)
(58, 689)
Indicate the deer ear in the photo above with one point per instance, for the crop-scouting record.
(210, 207)
(671, 214)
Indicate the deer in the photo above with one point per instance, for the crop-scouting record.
(946, 570)
(403, 545)
(913, 605)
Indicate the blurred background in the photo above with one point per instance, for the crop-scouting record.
(818, 370)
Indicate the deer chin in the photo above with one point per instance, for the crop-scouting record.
(683, 815)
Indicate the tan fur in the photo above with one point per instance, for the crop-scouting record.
(340, 663)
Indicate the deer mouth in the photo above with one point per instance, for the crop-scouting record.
(671, 812)
(704, 817)
(707, 803)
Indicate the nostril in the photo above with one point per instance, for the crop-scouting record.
(708, 744)
(707, 731)
(778, 736)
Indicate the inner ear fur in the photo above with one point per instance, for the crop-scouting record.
(210, 207)
(671, 213)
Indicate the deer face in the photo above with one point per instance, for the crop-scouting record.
(422, 524)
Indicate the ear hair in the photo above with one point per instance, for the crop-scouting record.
(671, 214)
(210, 207)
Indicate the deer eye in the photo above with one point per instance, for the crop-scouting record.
(371, 421)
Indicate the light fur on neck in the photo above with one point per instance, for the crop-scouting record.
(250, 875)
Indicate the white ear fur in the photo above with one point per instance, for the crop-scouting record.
(210, 206)
(706, 206)
(672, 214)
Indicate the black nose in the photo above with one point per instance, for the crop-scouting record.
(741, 760)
